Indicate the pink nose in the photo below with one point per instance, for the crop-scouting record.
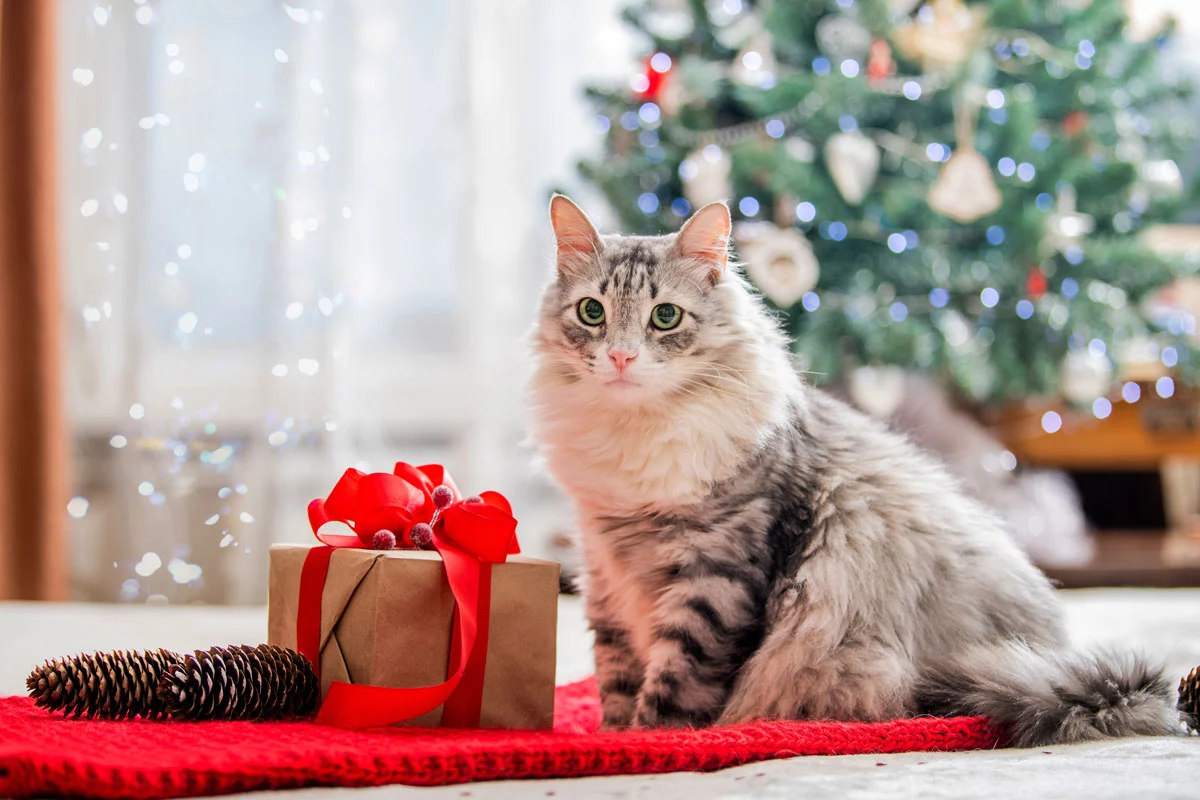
(621, 357)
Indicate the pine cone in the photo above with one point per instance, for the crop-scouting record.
(112, 685)
(240, 683)
(1189, 700)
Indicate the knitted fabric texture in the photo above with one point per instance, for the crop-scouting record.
(44, 754)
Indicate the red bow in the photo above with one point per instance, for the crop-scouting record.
(469, 535)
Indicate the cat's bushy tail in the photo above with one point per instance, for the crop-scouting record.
(1047, 697)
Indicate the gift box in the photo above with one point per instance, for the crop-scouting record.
(460, 634)
(386, 620)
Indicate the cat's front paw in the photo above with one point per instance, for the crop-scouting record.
(659, 711)
(618, 719)
(618, 711)
(645, 719)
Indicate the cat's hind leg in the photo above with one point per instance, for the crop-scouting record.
(795, 674)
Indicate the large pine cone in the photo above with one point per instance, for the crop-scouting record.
(112, 685)
(1189, 700)
(240, 683)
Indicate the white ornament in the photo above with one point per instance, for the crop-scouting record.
(853, 163)
(1086, 375)
(877, 390)
(1138, 360)
(1178, 301)
(735, 32)
(1066, 227)
(965, 189)
(800, 149)
(755, 64)
(780, 261)
(705, 175)
(842, 36)
(942, 35)
(668, 20)
(1161, 178)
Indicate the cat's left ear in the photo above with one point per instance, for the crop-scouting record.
(704, 241)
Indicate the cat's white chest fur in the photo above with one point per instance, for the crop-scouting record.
(613, 459)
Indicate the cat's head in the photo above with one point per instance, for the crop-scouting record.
(637, 318)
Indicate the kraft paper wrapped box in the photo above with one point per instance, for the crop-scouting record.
(386, 620)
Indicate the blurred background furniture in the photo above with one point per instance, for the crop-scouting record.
(1139, 470)
(1139, 467)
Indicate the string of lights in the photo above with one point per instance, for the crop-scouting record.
(913, 87)
(895, 86)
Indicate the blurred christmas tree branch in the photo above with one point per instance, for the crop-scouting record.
(957, 187)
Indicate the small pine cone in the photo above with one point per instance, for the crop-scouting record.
(114, 685)
(1189, 700)
(240, 683)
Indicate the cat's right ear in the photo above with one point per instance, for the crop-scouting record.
(577, 238)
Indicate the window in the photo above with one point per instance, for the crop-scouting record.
(300, 237)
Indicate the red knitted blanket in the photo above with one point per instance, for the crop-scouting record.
(46, 755)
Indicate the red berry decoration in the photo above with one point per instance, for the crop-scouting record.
(652, 83)
(421, 534)
(880, 65)
(474, 499)
(1075, 123)
(384, 540)
(1036, 283)
(443, 496)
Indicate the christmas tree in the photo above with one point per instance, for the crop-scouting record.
(959, 187)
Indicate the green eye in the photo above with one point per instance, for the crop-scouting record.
(666, 316)
(591, 311)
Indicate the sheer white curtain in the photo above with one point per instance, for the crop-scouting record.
(299, 237)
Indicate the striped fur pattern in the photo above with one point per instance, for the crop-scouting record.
(756, 548)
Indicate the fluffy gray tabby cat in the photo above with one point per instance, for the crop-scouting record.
(756, 548)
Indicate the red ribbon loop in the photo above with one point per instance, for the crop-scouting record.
(470, 536)
(486, 530)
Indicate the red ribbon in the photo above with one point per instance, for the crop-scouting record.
(470, 536)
